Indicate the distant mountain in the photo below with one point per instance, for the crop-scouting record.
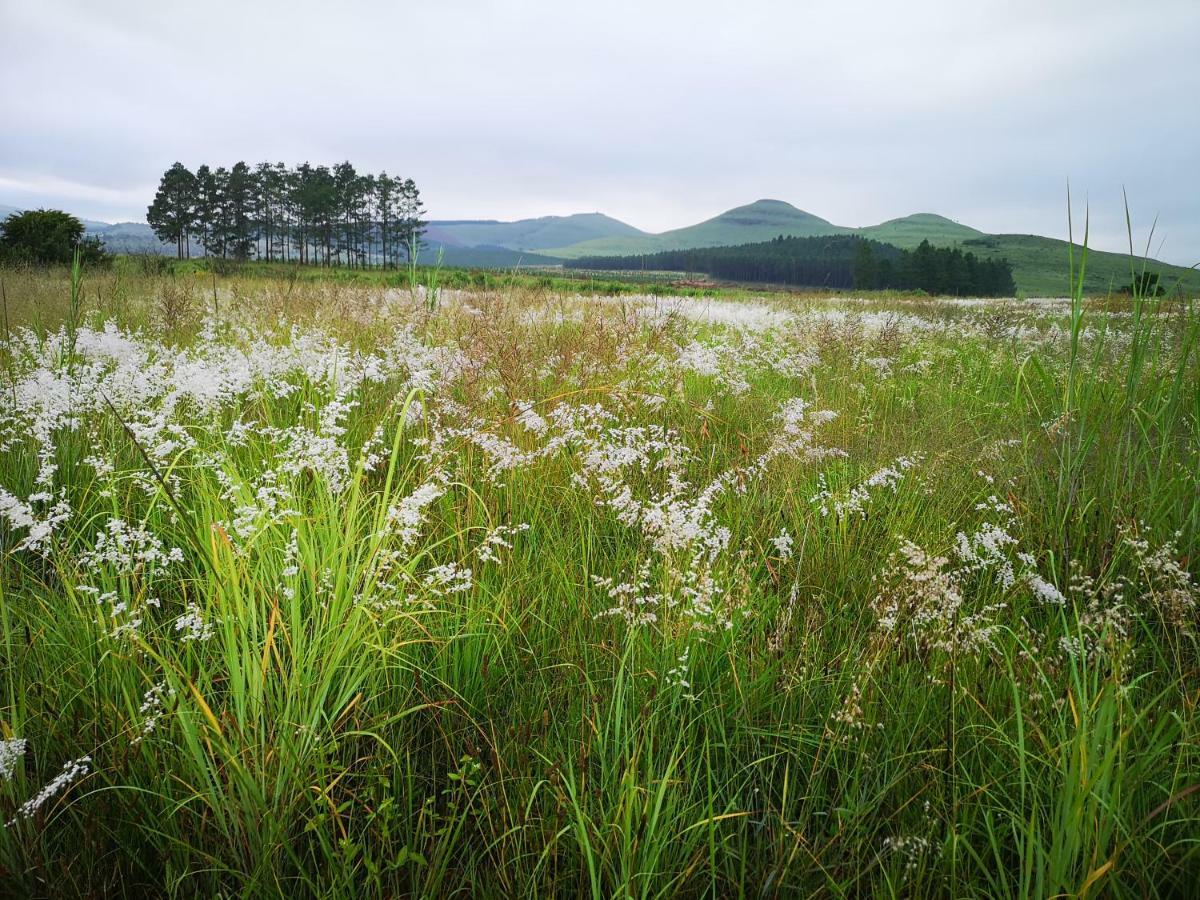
(1039, 263)
(121, 237)
(482, 257)
(757, 221)
(132, 237)
(526, 234)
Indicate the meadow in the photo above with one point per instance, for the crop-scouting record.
(325, 587)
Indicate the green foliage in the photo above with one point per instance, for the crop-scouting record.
(173, 211)
(46, 237)
(840, 261)
(310, 214)
(1145, 284)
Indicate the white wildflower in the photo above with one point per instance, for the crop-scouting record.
(71, 772)
(11, 752)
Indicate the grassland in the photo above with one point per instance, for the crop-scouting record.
(328, 587)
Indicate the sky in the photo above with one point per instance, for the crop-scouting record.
(661, 114)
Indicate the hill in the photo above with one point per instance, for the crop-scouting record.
(908, 232)
(757, 221)
(482, 257)
(527, 234)
(1039, 263)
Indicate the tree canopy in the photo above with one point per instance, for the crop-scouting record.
(837, 261)
(46, 237)
(306, 214)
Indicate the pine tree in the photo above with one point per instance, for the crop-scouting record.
(173, 212)
(240, 194)
(206, 206)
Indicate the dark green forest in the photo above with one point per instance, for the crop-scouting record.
(839, 261)
(317, 215)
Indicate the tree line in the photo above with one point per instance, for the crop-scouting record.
(318, 215)
(837, 261)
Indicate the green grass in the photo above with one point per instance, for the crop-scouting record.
(347, 727)
(909, 231)
(1039, 270)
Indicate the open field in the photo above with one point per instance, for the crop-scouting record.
(317, 587)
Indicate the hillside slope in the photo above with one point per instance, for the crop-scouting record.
(1041, 267)
(1040, 264)
(528, 234)
(758, 221)
(907, 232)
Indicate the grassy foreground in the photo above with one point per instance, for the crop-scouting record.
(335, 589)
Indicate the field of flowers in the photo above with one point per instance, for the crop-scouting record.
(331, 590)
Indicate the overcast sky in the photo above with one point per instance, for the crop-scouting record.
(658, 113)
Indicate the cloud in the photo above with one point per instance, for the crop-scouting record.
(660, 113)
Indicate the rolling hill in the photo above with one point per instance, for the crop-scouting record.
(527, 234)
(1040, 264)
(757, 221)
(909, 231)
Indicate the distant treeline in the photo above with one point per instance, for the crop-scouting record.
(306, 214)
(839, 261)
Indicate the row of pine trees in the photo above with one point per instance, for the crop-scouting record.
(317, 215)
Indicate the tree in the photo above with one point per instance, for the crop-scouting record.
(385, 206)
(865, 270)
(47, 237)
(345, 198)
(173, 212)
(240, 194)
(206, 207)
(1145, 284)
(411, 225)
(311, 214)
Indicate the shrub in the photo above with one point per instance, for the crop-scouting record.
(47, 237)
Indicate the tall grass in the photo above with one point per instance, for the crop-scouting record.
(306, 709)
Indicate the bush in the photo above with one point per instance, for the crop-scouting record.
(47, 237)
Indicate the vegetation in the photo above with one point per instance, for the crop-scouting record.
(46, 237)
(316, 585)
(1039, 264)
(908, 232)
(841, 261)
(309, 214)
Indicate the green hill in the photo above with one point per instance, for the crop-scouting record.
(909, 231)
(758, 221)
(1039, 263)
(527, 234)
